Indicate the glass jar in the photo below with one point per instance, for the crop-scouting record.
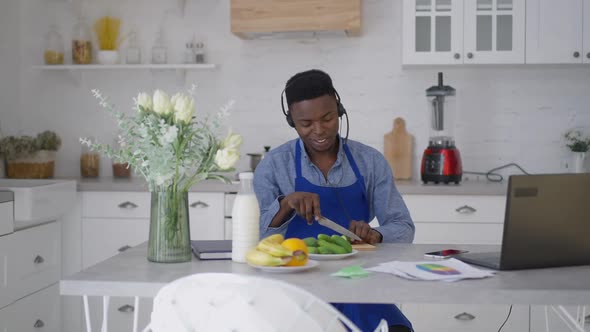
(159, 51)
(133, 51)
(121, 170)
(81, 43)
(89, 162)
(54, 47)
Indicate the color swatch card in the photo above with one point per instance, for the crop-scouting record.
(446, 270)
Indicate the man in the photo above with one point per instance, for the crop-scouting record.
(321, 174)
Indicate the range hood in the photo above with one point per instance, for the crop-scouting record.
(263, 18)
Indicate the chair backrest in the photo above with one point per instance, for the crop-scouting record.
(238, 303)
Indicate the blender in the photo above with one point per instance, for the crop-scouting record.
(441, 161)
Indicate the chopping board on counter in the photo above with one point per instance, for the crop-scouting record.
(397, 149)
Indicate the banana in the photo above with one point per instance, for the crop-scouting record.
(257, 257)
(273, 248)
(275, 238)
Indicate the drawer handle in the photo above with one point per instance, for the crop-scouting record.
(465, 209)
(38, 260)
(123, 248)
(126, 308)
(127, 205)
(39, 324)
(199, 204)
(576, 54)
(465, 316)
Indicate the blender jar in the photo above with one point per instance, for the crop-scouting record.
(441, 102)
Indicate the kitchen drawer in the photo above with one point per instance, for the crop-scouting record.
(538, 321)
(35, 259)
(206, 216)
(456, 208)
(458, 233)
(121, 311)
(116, 205)
(38, 312)
(447, 317)
(4, 289)
(104, 238)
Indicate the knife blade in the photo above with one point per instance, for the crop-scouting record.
(337, 228)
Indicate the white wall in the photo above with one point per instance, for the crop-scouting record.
(9, 65)
(505, 113)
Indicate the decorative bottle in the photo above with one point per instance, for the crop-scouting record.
(245, 219)
(82, 43)
(133, 51)
(54, 47)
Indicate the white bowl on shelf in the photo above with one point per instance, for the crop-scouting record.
(107, 57)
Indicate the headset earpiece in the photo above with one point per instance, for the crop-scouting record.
(290, 120)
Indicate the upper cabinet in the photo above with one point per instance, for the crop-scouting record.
(558, 31)
(250, 18)
(463, 32)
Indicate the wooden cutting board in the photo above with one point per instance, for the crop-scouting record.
(363, 246)
(397, 149)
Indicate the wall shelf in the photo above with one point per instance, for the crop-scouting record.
(77, 70)
(126, 66)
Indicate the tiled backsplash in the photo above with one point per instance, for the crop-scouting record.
(504, 113)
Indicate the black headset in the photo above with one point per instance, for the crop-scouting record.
(289, 118)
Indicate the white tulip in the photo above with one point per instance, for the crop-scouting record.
(184, 107)
(145, 101)
(232, 141)
(162, 104)
(226, 158)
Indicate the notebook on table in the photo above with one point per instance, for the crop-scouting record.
(211, 249)
(546, 224)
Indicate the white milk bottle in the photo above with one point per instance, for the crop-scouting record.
(245, 219)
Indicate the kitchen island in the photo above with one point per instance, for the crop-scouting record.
(130, 274)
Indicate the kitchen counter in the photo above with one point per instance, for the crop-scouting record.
(470, 187)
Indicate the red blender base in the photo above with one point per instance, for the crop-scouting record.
(441, 165)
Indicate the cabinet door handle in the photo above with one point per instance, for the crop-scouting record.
(199, 204)
(457, 56)
(39, 259)
(126, 308)
(465, 209)
(588, 55)
(576, 54)
(127, 205)
(470, 55)
(38, 324)
(123, 248)
(465, 316)
(587, 320)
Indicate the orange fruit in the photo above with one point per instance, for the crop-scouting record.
(300, 251)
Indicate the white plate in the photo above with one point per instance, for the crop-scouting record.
(287, 269)
(327, 257)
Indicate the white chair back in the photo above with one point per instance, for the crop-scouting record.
(238, 303)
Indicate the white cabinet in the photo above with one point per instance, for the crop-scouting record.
(555, 31)
(458, 32)
(206, 214)
(121, 311)
(30, 270)
(447, 318)
(457, 219)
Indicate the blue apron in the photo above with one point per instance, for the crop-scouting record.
(332, 203)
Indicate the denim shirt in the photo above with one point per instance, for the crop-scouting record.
(274, 178)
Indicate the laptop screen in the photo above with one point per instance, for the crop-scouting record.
(547, 221)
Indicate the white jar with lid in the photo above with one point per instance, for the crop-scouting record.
(245, 219)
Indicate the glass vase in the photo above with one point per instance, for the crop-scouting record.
(169, 239)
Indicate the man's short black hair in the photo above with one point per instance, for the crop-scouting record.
(307, 85)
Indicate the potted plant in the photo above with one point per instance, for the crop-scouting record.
(30, 157)
(579, 145)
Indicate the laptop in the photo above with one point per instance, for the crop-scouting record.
(547, 224)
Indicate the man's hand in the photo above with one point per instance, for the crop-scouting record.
(365, 232)
(305, 204)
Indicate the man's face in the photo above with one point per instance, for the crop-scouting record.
(316, 122)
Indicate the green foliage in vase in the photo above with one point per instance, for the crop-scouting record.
(575, 142)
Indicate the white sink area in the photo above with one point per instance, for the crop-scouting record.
(39, 201)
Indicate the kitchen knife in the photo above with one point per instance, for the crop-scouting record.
(337, 228)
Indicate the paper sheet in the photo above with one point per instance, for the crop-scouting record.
(445, 270)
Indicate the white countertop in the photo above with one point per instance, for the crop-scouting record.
(130, 274)
(469, 187)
